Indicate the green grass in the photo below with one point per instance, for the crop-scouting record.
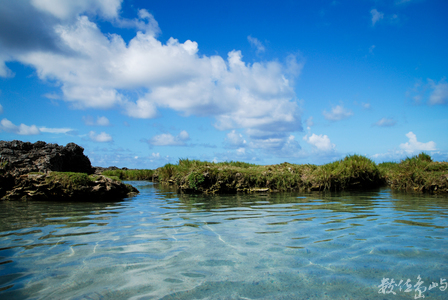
(197, 176)
(70, 179)
(351, 172)
(418, 173)
(129, 174)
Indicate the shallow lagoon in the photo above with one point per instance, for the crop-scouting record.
(162, 245)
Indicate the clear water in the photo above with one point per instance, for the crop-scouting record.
(161, 245)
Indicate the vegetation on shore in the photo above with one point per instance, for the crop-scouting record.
(69, 179)
(141, 174)
(195, 176)
(417, 173)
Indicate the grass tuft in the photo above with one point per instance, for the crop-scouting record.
(419, 173)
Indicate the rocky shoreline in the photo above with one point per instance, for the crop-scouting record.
(41, 171)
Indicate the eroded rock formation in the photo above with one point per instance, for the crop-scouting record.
(20, 158)
(42, 171)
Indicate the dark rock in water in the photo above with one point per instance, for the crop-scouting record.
(23, 157)
(42, 171)
(55, 186)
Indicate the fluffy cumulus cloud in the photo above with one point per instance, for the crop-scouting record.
(97, 70)
(320, 143)
(376, 16)
(22, 129)
(411, 147)
(167, 139)
(415, 146)
(386, 122)
(337, 113)
(100, 137)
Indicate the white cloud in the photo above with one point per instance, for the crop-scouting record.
(337, 113)
(290, 149)
(103, 121)
(376, 16)
(309, 122)
(435, 93)
(67, 9)
(4, 70)
(22, 129)
(100, 121)
(254, 42)
(235, 139)
(415, 146)
(386, 122)
(96, 70)
(101, 137)
(166, 139)
(184, 136)
(1, 109)
(439, 94)
(366, 105)
(56, 130)
(145, 23)
(320, 142)
(412, 147)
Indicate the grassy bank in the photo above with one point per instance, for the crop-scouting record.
(352, 172)
(418, 173)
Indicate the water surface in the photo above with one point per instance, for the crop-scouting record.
(163, 245)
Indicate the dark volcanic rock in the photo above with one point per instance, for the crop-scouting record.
(20, 158)
(58, 173)
(55, 186)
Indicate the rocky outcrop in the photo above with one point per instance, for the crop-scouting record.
(55, 186)
(20, 158)
(42, 171)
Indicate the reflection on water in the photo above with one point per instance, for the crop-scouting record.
(161, 245)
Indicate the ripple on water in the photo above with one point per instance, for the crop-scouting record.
(161, 245)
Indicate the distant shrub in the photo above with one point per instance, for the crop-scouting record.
(141, 174)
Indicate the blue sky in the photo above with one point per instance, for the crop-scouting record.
(139, 84)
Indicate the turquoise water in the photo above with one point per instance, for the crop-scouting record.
(162, 245)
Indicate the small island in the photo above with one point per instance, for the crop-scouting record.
(355, 172)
